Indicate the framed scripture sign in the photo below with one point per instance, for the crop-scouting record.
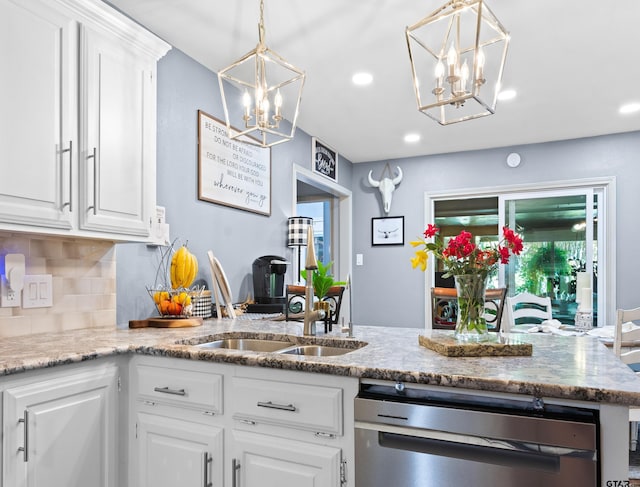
(387, 231)
(230, 172)
(325, 159)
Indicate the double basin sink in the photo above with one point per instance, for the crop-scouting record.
(284, 347)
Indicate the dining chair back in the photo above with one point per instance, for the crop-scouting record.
(527, 308)
(295, 298)
(626, 345)
(444, 307)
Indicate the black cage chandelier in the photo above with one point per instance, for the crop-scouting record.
(267, 88)
(457, 56)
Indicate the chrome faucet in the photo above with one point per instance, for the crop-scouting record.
(348, 329)
(310, 315)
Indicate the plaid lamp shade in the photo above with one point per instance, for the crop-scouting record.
(297, 230)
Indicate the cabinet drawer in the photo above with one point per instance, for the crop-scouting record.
(303, 406)
(200, 390)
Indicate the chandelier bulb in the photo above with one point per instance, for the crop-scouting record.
(246, 103)
(480, 67)
(464, 76)
(439, 72)
(277, 102)
(452, 60)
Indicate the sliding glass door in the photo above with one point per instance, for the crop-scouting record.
(560, 256)
(567, 254)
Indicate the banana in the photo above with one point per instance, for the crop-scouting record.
(184, 268)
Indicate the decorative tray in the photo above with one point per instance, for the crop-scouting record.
(444, 343)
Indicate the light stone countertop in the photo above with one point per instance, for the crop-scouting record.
(580, 368)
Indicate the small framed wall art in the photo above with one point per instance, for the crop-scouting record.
(324, 159)
(387, 230)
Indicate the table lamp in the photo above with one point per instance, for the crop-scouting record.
(297, 235)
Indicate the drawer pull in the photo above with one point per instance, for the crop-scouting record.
(166, 390)
(282, 407)
(321, 434)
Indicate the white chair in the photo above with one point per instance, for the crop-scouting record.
(526, 305)
(626, 338)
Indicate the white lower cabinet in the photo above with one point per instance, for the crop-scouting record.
(173, 452)
(60, 429)
(178, 423)
(271, 461)
(208, 424)
(288, 429)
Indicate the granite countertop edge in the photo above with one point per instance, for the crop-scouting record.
(391, 354)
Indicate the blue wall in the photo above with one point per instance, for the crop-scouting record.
(387, 277)
(235, 236)
(386, 290)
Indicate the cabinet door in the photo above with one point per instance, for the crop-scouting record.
(61, 431)
(117, 154)
(265, 461)
(38, 100)
(173, 452)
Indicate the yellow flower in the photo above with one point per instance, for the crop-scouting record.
(420, 260)
(415, 243)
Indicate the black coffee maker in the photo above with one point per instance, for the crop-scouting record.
(268, 284)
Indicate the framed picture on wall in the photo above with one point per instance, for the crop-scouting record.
(230, 172)
(387, 230)
(324, 159)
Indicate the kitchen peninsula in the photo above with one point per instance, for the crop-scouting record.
(562, 370)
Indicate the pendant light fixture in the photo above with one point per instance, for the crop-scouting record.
(261, 95)
(457, 56)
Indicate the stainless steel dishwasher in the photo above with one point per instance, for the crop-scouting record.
(410, 437)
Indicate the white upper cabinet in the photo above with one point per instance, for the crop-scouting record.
(38, 96)
(77, 138)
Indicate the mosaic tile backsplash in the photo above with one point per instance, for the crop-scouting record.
(84, 283)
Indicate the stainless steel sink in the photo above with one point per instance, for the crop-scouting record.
(316, 350)
(247, 344)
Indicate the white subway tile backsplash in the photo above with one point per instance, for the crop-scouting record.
(84, 284)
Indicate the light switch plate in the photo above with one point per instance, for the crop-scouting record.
(37, 291)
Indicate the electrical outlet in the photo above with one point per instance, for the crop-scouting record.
(8, 297)
(37, 292)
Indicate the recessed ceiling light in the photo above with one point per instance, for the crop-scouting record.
(629, 108)
(362, 79)
(411, 138)
(507, 95)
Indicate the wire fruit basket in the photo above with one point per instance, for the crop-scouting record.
(175, 303)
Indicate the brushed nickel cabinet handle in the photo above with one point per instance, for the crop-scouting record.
(70, 151)
(94, 207)
(207, 460)
(235, 467)
(25, 448)
(272, 405)
(166, 390)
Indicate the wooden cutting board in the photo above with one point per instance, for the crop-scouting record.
(166, 322)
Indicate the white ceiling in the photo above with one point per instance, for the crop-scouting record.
(572, 62)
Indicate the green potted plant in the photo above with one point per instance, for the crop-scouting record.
(322, 280)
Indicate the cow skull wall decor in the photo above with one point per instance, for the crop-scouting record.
(386, 187)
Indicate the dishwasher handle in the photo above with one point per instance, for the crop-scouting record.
(467, 451)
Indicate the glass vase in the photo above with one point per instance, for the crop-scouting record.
(471, 326)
